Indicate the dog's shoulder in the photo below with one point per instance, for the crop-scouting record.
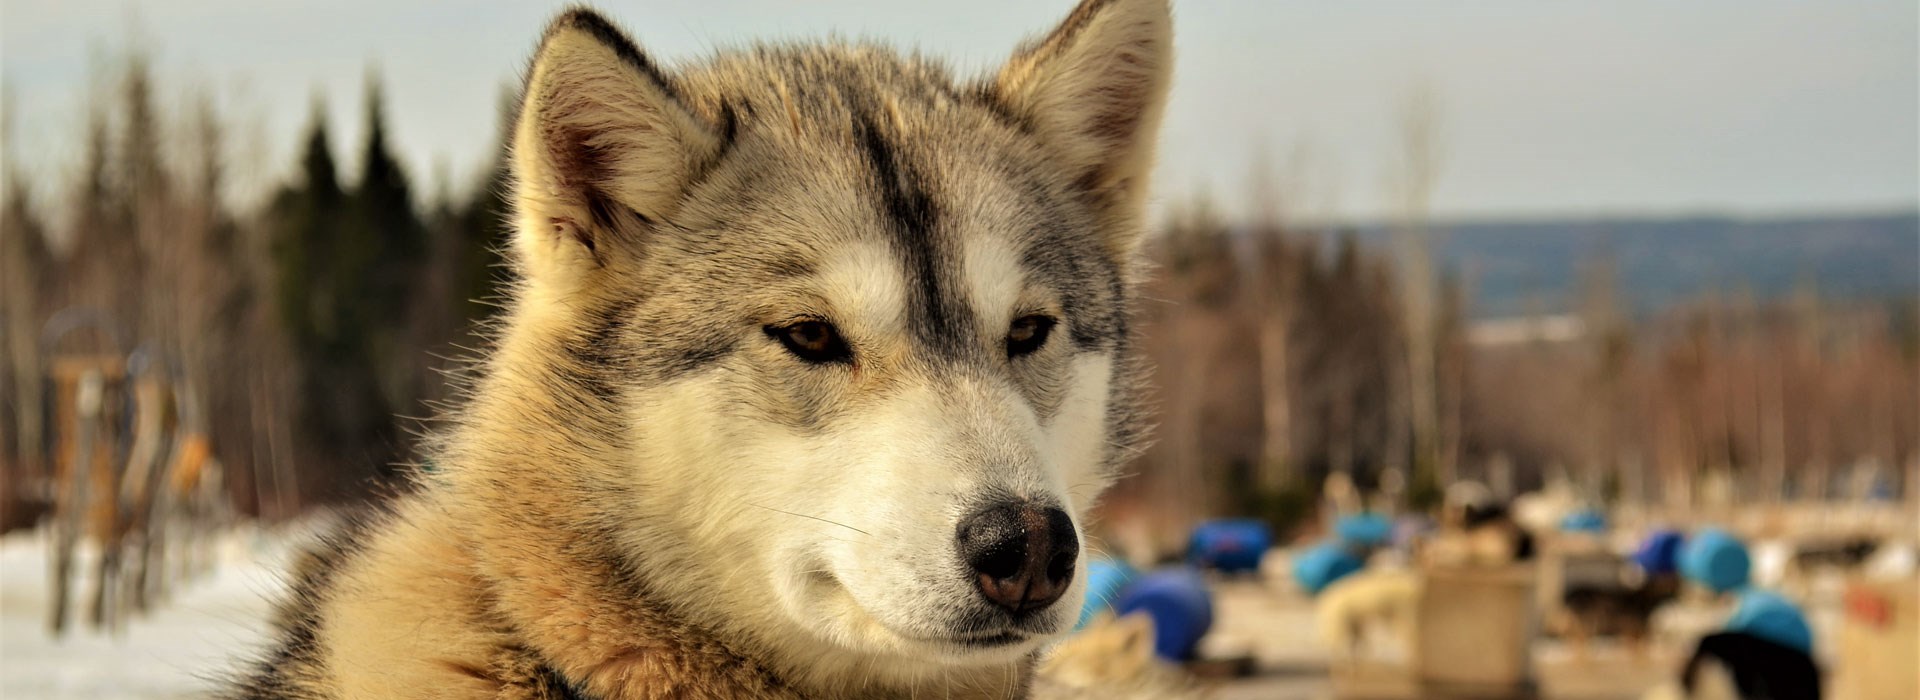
(293, 666)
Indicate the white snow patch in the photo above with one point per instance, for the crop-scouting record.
(182, 649)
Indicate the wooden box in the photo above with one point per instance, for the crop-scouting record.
(1476, 630)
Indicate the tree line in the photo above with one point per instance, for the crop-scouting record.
(309, 326)
(1282, 355)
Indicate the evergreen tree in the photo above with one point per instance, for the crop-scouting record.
(382, 253)
(324, 267)
(145, 213)
(484, 225)
(389, 230)
(304, 216)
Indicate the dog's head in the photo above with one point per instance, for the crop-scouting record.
(850, 338)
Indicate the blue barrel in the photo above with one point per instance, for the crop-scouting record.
(1659, 553)
(1715, 559)
(1106, 578)
(1364, 530)
(1324, 563)
(1588, 521)
(1230, 546)
(1769, 616)
(1180, 605)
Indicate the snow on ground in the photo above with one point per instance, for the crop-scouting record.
(176, 651)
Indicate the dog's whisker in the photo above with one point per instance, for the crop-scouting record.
(812, 517)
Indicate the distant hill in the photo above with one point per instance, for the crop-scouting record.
(1520, 267)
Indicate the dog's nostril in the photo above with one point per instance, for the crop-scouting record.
(1003, 561)
(1022, 555)
(1062, 566)
(1064, 545)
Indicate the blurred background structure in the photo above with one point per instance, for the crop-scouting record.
(1663, 259)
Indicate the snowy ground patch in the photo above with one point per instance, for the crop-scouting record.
(179, 650)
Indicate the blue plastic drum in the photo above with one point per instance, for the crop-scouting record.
(1106, 578)
(1364, 530)
(1769, 616)
(1715, 559)
(1588, 521)
(1659, 554)
(1180, 605)
(1324, 563)
(1229, 546)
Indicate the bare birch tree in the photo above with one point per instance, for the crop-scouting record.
(1412, 183)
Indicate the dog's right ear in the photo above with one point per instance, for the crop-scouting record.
(1093, 90)
(601, 143)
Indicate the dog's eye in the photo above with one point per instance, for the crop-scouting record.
(813, 341)
(1027, 334)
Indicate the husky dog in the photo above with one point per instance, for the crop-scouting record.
(1112, 659)
(1360, 605)
(1740, 666)
(817, 359)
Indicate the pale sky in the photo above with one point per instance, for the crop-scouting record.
(1560, 108)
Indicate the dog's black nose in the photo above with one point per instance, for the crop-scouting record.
(1022, 554)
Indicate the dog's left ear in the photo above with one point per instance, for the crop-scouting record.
(1094, 89)
(602, 144)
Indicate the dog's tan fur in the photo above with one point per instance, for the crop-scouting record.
(563, 546)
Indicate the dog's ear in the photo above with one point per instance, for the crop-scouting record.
(602, 143)
(1094, 89)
